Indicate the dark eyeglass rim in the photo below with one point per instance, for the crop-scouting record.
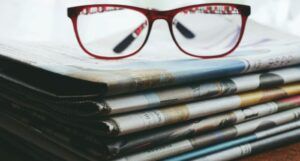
(152, 15)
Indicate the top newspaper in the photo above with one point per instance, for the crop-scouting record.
(262, 48)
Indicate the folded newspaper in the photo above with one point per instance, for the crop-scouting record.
(62, 71)
(58, 104)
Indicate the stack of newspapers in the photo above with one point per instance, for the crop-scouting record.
(57, 104)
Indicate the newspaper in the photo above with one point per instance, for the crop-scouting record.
(100, 107)
(197, 91)
(110, 148)
(215, 137)
(37, 139)
(149, 119)
(262, 48)
(233, 143)
(254, 147)
(199, 126)
(52, 131)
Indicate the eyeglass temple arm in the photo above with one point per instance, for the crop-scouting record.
(124, 44)
(184, 30)
(130, 38)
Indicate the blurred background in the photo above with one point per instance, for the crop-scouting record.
(46, 20)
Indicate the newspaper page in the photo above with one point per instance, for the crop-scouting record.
(262, 48)
(149, 119)
(216, 136)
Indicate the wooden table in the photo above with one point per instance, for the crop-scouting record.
(287, 153)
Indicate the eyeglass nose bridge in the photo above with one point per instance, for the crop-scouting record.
(156, 15)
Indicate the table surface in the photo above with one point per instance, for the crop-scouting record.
(287, 153)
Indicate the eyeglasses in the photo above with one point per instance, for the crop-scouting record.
(110, 32)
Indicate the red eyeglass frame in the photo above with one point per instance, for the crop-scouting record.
(153, 15)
